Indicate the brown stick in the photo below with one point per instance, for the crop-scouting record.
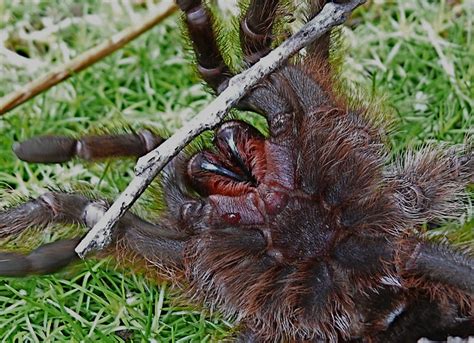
(84, 60)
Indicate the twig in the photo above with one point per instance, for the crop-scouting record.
(84, 60)
(151, 164)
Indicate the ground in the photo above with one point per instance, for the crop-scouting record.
(412, 58)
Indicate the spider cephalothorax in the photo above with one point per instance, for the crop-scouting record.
(308, 234)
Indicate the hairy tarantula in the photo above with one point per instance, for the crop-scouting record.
(307, 235)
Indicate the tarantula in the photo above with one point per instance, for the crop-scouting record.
(308, 234)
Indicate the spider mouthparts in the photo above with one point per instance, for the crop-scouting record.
(236, 142)
(220, 170)
(226, 141)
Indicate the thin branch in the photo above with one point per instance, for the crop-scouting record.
(84, 60)
(151, 164)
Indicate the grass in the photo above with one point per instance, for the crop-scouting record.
(416, 56)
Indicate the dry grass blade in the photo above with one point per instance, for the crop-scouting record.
(84, 60)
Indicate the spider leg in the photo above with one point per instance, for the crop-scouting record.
(46, 209)
(156, 242)
(429, 183)
(320, 48)
(255, 35)
(210, 63)
(284, 98)
(46, 259)
(439, 263)
(256, 29)
(424, 318)
(57, 149)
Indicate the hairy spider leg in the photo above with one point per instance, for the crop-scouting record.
(256, 29)
(210, 63)
(46, 259)
(423, 317)
(255, 37)
(427, 183)
(58, 149)
(156, 243)
(321, 47)
(440, 263)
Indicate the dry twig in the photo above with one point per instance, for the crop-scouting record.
(151, 164)
(84, 60)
